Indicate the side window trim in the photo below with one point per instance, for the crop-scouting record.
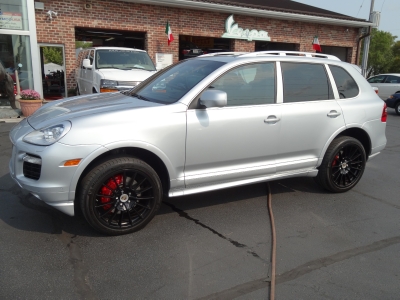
(333, 82)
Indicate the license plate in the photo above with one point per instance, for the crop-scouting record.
(196, 51)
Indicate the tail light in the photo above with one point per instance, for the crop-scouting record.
(376, 90)
(384, 113)
(185, 51)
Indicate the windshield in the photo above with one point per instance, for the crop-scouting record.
(123, 59)
(172, 84)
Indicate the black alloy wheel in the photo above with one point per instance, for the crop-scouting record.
(120, 196)
(343, 165)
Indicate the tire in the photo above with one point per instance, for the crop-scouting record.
(343, 165)
(397, 108)
(120, 195)
(77, 90)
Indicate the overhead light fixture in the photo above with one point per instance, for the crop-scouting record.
(111, 38)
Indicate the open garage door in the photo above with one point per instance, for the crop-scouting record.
(111, 38)
(272, 46)
(191, 46)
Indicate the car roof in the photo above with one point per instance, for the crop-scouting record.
(271, 56)
(393, 74)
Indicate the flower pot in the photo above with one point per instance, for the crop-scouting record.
(28, 107)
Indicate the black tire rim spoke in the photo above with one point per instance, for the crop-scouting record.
(347, 166)
(119, 208)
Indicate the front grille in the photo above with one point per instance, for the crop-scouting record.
(31, 167)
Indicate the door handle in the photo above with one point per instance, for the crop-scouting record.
(333, 114)
(271, 119)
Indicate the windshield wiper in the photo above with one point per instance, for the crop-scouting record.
(140, 97)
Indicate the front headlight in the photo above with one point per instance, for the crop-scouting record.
(49, 135)
(108, 85)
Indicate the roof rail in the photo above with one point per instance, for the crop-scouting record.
(223, 54)
(292, 53)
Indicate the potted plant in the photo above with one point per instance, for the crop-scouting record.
(30, 101)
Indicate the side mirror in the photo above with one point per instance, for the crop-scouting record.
(86, 63)
(214, 98)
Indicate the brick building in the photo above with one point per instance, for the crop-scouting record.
(63, 24)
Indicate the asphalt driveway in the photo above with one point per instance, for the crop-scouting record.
(214, 245)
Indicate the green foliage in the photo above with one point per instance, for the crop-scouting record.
(380, 57)
(395, 67)
(53, 55)
(82, 44)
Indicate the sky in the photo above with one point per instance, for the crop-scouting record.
(390, 11)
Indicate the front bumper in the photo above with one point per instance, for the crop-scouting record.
(54, 183)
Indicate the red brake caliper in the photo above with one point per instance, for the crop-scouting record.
(105, 190)
(335, 160)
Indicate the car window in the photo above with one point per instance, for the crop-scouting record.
(91, 56)
(248, 85)
(305, 82)
(173, 83)
(377, 79)
(346, 85)
(392, 79)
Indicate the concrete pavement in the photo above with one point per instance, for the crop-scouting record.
(9, 115)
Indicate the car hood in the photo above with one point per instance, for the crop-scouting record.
(126, 75)
(75, 107)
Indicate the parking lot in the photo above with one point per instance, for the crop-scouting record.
(215, 245)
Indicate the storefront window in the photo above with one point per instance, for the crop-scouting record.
(13, 14)
(15, 55)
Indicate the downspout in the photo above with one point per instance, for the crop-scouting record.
(358, 44)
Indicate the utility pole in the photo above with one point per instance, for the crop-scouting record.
(366, 43)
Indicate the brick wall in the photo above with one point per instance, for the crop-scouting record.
(116, 15)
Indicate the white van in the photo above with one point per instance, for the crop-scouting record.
(111, 69)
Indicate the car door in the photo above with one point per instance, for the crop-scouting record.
(238, 141)
(390, 86)
(310, 116)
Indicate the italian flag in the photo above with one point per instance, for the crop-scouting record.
(168, 32)
(315, 44)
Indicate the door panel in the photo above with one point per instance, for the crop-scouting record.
(230, 143)
(310, 116)
(305, 129)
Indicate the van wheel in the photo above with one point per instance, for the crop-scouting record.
(77, 90)
(120, 195)
(342, 166)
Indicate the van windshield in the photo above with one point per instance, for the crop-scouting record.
(171, 84)
(123, 59)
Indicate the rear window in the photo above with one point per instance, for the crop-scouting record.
(305, 82)
(346, 85)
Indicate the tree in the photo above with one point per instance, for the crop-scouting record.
(395, 67)
(53, 55)
(380, 57)
(82, 44)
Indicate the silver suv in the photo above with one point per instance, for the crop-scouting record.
(212, 122)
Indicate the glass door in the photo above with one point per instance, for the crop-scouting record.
(52, 63)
